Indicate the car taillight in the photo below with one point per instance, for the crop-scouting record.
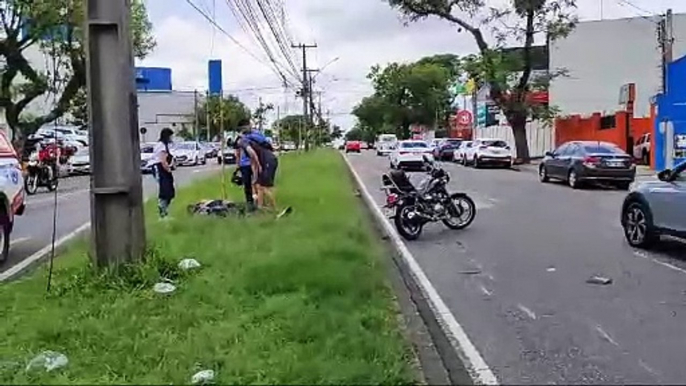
(391, 199)
(591, 161)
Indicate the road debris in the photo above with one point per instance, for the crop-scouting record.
(599, 280)
(188, 264)
(203, 377)
(471, 272)
(164, 288)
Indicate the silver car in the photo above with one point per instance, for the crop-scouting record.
(655, 208)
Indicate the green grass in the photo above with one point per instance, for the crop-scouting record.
(300, 300)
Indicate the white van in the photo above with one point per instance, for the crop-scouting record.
(385, 144)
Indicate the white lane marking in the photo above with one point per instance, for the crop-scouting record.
(527, 311)
(605, 335)
(656, 261)
(474, 362)
(15, 269)
(20, 240)
(485, 291)
(646, 367)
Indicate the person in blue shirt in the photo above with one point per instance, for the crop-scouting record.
(247, 174)
(263, 161)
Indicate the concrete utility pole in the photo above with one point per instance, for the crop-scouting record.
(196, 131)
(118, 227)
(223, 146)
(305, 92)
(208, 117)
(665, 36)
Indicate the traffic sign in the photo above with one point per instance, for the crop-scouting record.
(464, 118)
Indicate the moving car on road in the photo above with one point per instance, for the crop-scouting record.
(80, 162)
(385, 144)
(577, 162)
(654, 208)
(189, 154)
(11, 193)
(489, 151)
(411, 154)
(460, 153)
(353, 146)
(445, 151)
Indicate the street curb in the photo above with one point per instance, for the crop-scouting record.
(42, 254)
(457, 351)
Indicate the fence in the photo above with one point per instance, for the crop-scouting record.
(539, 136)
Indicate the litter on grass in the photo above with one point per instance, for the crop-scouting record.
(164, 288)
(188, 264)
(48, 360)
(219, 208)
(203, 377)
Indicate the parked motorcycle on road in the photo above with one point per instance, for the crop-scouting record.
(413, 207)
(39, 173)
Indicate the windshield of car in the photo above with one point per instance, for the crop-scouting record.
(414, 145)
(494, 143)
(602, 149)
(451, 144)
(387, 138)
(147, 149)
(185, 146)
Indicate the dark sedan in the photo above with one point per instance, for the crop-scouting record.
(446, 150)
(579, 162)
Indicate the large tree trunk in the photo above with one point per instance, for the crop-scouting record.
(518, 123)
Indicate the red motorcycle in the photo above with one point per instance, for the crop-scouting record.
(42, 169)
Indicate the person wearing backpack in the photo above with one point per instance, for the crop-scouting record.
(160, 163)
(264, 162)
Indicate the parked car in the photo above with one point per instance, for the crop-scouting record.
(578, 162)
(12, 194)
(411, 154)
(385, 143)
(189, 154)
(445, 151)
(642, 149)
(228, 156)
(147, 150)
(80, 162)
(210, 149)
(71, 133)
(353, 146)
(489, 151)
(655, 208)
(289, 146)
(460, 154)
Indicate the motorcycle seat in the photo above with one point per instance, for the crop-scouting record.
(401, 181)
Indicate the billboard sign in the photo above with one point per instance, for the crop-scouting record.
(214, 72)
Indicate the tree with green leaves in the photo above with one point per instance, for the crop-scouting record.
(260, 113)
(509, 77)
(291, 129)
(55, 27)
(230, 108)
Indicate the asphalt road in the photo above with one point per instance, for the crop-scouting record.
(33, 230)
(516, 282)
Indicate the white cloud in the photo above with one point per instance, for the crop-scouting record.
(359, 32)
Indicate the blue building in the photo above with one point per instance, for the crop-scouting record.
(670, 123)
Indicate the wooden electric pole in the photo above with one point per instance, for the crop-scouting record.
(118, 227)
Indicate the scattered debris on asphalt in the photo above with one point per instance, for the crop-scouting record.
(48, 360)
(203, 377)
(188, 264)
(551, 269)
(164, 288)
(471, 272)
(599, 280)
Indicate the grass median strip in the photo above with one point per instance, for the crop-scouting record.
(300, 300)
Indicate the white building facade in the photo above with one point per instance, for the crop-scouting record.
(603, 55)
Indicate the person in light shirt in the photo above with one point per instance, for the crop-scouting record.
(160, 162)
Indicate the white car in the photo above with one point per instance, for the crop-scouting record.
(490, 151)
(411, 154)
(71, 133)
(11, 192)
(642, 149)
(147, 153)
(189, 153)
(385, 144)
(459, 155)
(80, 162)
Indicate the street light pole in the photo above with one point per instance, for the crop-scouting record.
(118, 227)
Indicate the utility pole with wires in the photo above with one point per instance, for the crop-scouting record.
(208, 117)
(665, 36)
(196, 130)
(305, 91)
(118, 227)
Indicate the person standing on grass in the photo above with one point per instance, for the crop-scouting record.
(264, 162)
(245, 167)
(160, 162)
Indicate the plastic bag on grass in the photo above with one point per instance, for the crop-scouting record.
(48, 360)
(188, 264)
(203, 377)
(164, 288)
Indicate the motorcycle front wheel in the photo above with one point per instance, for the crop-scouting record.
(52, 185)
(408, 229)
(31, 184)
(462, 211)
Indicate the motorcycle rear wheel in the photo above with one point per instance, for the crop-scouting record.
(52, 185)
(461, 203)
(407, 230)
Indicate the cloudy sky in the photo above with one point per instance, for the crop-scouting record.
(351, 36)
